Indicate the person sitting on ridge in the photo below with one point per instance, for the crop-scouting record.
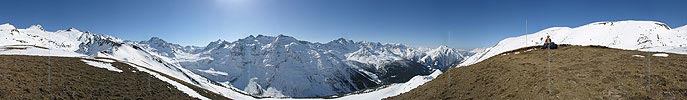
(548, 44)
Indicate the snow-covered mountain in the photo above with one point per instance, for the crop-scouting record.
(630, 35)
(283, 66)
(265, 66)
(443, 58)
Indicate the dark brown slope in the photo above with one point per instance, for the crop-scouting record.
(576, 73)
(26, 77)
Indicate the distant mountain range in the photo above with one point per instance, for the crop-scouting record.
(283, 66)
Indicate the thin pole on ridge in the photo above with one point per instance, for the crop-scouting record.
(526, 44)
(648, 65)
(449, 67)
(548, 64)
(49, 69)
(149, 89)
(448, 39)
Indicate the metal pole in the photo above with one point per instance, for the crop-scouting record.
(450, 78)
(648, 85)
(148, 78)
(449, 67)
(549, 70)
(49, 69)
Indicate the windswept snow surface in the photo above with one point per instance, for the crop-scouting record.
(106, 60)
(35, 51)
(389, 91)
(678, 50)
(660, 55)
(212, 71)
(107, 66)
(393, 89)
(629, 35)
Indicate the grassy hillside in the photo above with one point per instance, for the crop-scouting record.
(26, 77)
(576, 72)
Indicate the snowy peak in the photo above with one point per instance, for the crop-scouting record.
(341, 41)
(251, 37)
(623, 34)
(164, 48)
(442, 58)
(443, 49)
(35, 35)
(278, 40)
(630, 23)
(216, 42)
(7, 26)
(73, 30)
(283, 40)
(36, 27)
(156, 40)
(160, 42)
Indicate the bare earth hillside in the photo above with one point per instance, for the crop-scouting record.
(575, 72)
(29, 77)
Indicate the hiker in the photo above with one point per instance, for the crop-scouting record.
(548, 44)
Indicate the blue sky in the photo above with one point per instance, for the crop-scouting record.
(429, 23)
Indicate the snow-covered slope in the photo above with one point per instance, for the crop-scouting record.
(74, 43)
(382, 92)
(282, 66)
(630, 35)
(393, 89)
